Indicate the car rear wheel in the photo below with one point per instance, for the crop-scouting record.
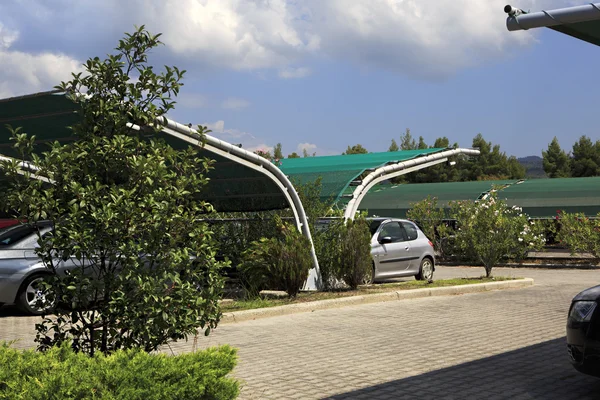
(370, 278)
(426, 270)
(33, 298)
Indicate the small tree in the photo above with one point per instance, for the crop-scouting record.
(277, 152)
(489, 231)
(432, 220)
(580, 233)
(125, 207)
(586, 158)
(355, 252)
(556, 161)
(407, 142)
(356, 149)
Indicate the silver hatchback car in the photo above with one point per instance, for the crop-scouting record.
(399, 248)
(21, 270)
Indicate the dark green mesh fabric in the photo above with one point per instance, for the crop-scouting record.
(336, 172)
(543, 197)
(232, 186)
(539, 198)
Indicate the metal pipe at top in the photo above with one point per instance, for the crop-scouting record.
(519, 20)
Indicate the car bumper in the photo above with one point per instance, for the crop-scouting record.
(9, 287)
(583, 346)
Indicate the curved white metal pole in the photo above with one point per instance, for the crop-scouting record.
(349, 214)
(393, 170)
(237, 154)
(224, 154)
(28, 166)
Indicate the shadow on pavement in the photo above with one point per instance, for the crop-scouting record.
(11, 311)
(541, 371)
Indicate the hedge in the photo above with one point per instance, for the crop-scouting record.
(60, 373)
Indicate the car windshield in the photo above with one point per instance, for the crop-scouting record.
(374, 225)
(14, 234)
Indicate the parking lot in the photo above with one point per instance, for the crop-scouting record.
(500, 345)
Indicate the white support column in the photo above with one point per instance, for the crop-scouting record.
(258, 163)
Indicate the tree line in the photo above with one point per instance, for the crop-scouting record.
(582, 160)
(491, 164)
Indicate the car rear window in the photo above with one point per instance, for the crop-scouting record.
(411, 230)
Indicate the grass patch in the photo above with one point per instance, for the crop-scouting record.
(303, 297)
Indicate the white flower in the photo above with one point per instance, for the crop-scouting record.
(531, 243)
(520, 239)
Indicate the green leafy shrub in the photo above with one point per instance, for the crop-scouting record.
(235, 232)
(280, 263)
(355, 252)
(328, 246)
(489, 231)
(61, 374)
(432, 221)
(580, 233)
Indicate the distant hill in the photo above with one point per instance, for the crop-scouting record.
(534, 167)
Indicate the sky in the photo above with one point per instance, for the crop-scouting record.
(324, 74)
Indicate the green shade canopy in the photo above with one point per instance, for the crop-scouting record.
(338, 172)
(581, 22)
(539, 198)
(232, 187)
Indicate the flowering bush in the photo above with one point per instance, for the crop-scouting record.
(490, 230)
(580, 233)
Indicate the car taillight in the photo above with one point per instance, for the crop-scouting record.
(431, 244)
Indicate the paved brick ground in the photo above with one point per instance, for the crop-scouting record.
(501, 345)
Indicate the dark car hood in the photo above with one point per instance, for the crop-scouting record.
(592, 293)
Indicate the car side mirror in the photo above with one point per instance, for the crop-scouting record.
(385, 239)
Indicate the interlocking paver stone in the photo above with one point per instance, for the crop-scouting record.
(505, 344)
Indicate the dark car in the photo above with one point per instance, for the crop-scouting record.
(583, 332)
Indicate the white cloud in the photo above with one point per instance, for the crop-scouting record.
(309, 147)
(229, 135)
(312, 148)
(428, 39)
(23, 73)
(263, 147)
(290, 73)
(237, 34)
(216, 127)
(192, 100)
(234, 103)
(7, 37)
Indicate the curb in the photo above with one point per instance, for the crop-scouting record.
(246, 315)
(537, 266)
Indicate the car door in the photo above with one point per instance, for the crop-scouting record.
(416, 249)
(391, 249)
